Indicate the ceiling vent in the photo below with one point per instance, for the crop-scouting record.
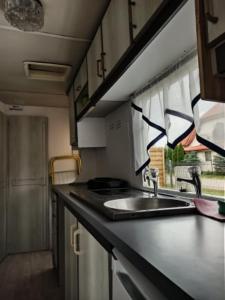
(46, 71)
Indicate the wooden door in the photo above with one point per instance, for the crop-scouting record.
(27, 209)
(3, 184)
(95, 63)
(116, 34)
(141, 12)
(71, 260)
(93, 268)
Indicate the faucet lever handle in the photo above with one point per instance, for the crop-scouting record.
(194, 170)
(154, 172)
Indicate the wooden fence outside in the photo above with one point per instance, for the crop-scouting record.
(158, 161)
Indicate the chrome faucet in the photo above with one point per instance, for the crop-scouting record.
(195, 180)
(151, 174)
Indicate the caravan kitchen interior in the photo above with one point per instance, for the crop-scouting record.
(112, 149)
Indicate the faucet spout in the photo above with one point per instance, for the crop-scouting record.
(195, 180)
(152, 175)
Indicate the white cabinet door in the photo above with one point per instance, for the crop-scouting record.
(71, 260)
(215, 9)
(81, 79)
(93, 268)
(95, 65)
(115, 31)
(142, 10)
(91, 133)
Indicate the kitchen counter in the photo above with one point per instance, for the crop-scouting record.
(182, 255)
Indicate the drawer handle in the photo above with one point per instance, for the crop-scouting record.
(76, 236)
(99, 64)
(78, 88)
(132, 3)
(209, 7)
(72, 228)
(211, 18)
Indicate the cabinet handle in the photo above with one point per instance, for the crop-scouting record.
(132, 3)
(78, 88)
(211, 18)
(209, 12)
(99, 64)
(72, 228)
(76, 235)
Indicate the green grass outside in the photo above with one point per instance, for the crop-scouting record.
(213, 192)
(212, 176)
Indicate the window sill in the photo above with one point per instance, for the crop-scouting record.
(188, 196)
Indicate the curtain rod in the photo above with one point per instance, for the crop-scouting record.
(166, 72)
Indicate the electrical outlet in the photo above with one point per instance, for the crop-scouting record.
(118, 124)
(111, 126)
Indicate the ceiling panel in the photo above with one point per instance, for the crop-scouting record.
(76, 18)
(17, 48)
(71, 25)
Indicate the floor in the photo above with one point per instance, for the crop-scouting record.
(28, 277)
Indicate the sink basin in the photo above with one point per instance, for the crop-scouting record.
(146, 204)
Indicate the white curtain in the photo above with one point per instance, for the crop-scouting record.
(172, 108)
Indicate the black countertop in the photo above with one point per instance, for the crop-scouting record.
(182, 255)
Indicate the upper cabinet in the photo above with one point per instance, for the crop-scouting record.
(115, 32)
(210, 21)
(126, 28)
(72, 119)
(95, 63)
(81, 79)
(93, 267)
(141, 12)
(215, 16)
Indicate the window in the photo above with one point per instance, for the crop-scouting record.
(173, 129)
(175, 163)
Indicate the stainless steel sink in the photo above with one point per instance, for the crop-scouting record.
(146, 204)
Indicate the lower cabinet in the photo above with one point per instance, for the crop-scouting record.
(93, 268)
(86, 263)
(3, 184)
(71, 259)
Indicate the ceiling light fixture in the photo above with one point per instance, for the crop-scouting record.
(26, 15)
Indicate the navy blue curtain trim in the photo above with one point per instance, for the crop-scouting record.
(134, 106)
(210, 145)
(203, 141)
(178, 114)
(142, 167)
(154, 125)
(195, 101)
(181, 137)
(161, 135)
(153, 142)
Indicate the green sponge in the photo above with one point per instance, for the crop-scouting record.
(221, 207)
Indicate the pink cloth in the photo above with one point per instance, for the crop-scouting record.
(209, 209)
